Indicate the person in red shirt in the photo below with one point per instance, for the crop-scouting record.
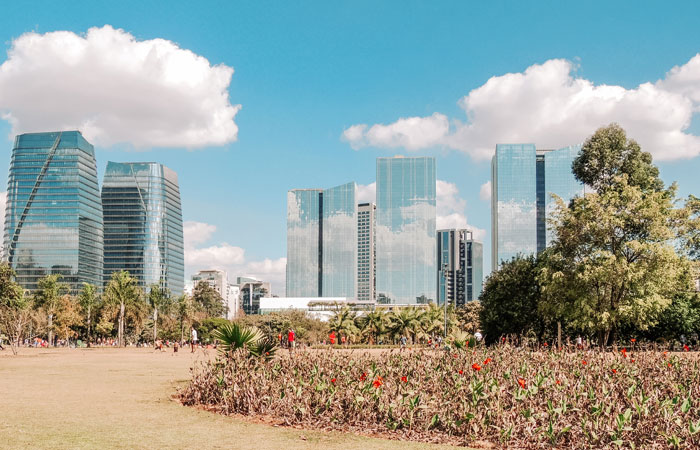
(291, 338)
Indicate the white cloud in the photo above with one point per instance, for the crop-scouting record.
(412, 133)
(367, 193)
(451, 210)
(485, 191)
(227, 257)
(548, 105)
(116, 89)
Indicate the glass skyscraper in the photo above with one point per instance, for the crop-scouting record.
(143, 224)
(322, 242)
(405, 230)
(53, 217)
(366, 252)
(460, 267)
(523, 180)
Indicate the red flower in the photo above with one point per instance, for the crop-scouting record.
(686, 348)
(476, 367)
(461, 372)
(558, 381)
(665, 353)
(614, 371)
(333, 380)
(363, 377)
(633, 340)
(521, 382)
(624, 352)
(669, 364)
(631, 360)
(404, 379)
(377, 382)
(584, 362)
(455, 355)
(487, 360)
(546, 345)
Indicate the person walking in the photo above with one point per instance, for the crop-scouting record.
(193, 341)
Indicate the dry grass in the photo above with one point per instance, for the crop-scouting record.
(122, 398)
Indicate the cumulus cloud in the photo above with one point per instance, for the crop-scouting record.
(228, 257)
(548, 105)
(451, 208)
(485, 191)
(367, 193)
(116, 89)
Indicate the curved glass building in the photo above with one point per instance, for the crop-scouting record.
(143, 224)
(53, 217)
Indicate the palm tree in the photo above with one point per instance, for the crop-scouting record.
(159, 300)
(185, 311)
(233, 336)
(373, 323)
(122, 291)
(89, 301)
(49, 296)
(433, 320)
(343, 321)
(405, 322)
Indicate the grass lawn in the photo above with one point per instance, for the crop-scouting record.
(121, 398)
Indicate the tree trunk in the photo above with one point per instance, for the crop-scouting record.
(50, 330)
(89, 320)
(155, 325)
(558, 335)
(121, 325)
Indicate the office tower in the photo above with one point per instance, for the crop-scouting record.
(523, 180)
(304, 230)
(366, 252)
(322, 242)
(143, 224)
(251, 290)
(460, 267)
(405, 230)
(218, 280)
(53, 217)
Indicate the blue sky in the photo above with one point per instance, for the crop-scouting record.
(307, 72)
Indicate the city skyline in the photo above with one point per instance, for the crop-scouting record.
(245, 110)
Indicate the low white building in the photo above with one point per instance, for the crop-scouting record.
(321, 308)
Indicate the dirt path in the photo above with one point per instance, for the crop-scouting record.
(121, 398)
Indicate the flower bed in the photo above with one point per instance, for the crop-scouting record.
(502, 395)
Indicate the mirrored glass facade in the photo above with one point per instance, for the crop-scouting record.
(523, 180)
(304, 230)
(143, 224)
(460, 267)
(405, 230)
(53, 217)
(339, 242)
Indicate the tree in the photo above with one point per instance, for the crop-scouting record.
(468, 317)
(185, 311)
(613, 261)
(432, 320)
(510, 300)
(48, 297)
(343, 321)
(209, 300)
(373, 323)
(608, 154)
(89, 302)
(159, 300)
(15, 308)
(405, 322)
(68, 316)
(122, 291)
